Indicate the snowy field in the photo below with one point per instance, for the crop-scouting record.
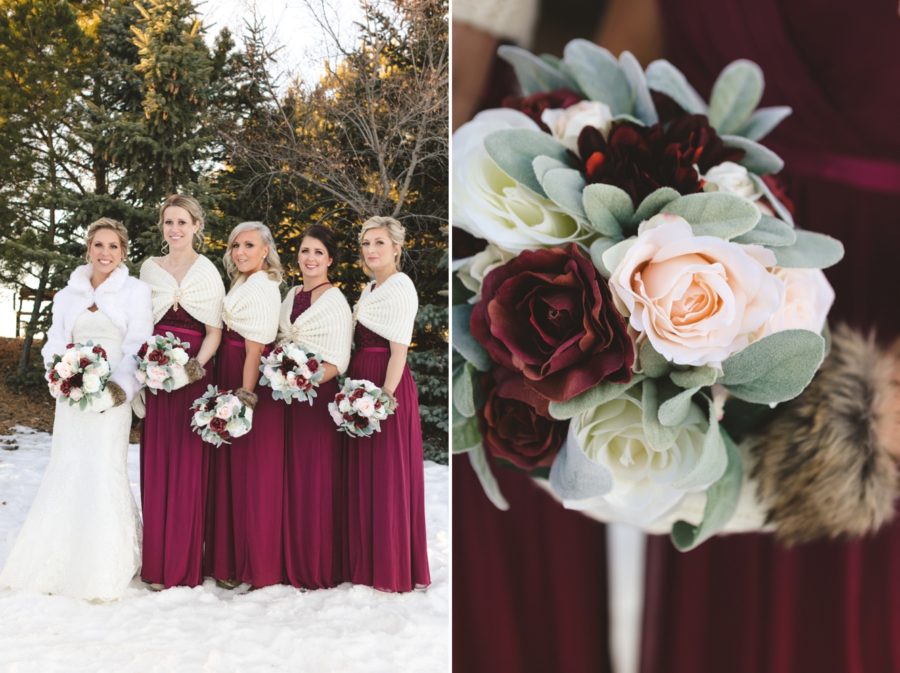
(350, 629)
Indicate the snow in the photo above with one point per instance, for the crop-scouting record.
(350, 629)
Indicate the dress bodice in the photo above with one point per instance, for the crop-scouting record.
(302, 301)
(363, 337)
(95, 326)
(179, 317)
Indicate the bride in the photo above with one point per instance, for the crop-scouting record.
(81, 537)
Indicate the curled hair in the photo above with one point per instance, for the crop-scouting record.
(192, 206)
(112, 225)
(396, 232)
(272, 262)
(325, 236)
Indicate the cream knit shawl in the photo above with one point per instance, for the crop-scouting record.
(389, 311)
(251, 308)
(201, 291)
(325, 328)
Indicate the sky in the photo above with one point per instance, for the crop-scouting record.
(290, 24)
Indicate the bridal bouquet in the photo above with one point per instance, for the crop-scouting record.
(291, 373)
(79, 375)
(640, 271)
(161, 361)
(220, 417)
(359, 407)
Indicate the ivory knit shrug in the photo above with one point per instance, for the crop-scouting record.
(325, 328)
(251, 307)
(200, 292)
(125, 300)
(389, 311)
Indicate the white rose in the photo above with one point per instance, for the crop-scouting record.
(698, 299)
(345, 405)
(64, 369)
(733, 178)
(102, 367)
(808, 297)
(566, 123)
(365, 407)
(180, 356)
(489, 204)
(76, 394)
(90, 383)
(71, 356)
(644, 478)
(472, 271)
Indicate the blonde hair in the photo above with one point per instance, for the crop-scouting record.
(112, 225)
(396, 232)
(272, 263)
(192, 206)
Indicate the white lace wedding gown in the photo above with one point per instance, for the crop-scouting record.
(81, 537)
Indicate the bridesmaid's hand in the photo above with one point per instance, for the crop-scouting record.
(392, 401)
(247, 397)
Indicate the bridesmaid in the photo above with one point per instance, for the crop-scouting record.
(386, 544)
(316, 316)
(244, 531)
(187, 301)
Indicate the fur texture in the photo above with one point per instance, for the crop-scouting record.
(826, 464)
(194, 370)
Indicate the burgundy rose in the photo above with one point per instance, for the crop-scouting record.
(534, 105)
(312, 365)
(218, 425)
(68, 346)
(141, 353)
(515, 424)
(640, 159)
(99, 351)
(356, 394)
(549, 315)
(155, 355)
(65, 388)
(84, 362)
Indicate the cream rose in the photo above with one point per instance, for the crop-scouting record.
(733, 178)
(808, 297)
(489, 204)
(645, 480)
(179, 356)
(566, 123)
(90, 383)
(698, 299)
(472, 271)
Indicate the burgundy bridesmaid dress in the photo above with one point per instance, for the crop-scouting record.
(743, 603)
(386, 544)
(174, 472)
(244, 541)
(313, 496)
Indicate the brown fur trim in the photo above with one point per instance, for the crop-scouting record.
(115, 391)
(823, 465)
(245, 396)
(194, 370)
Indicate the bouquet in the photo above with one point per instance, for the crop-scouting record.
(79, 375)
(220, 417)
(641, 270)
(359, 407)
(291, 373)
(161, 363)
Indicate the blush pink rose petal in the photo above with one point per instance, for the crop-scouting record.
(698, 299)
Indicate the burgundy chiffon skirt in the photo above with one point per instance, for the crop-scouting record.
(313, 496)
(243, 540)
(386, 544)
(529, 584)
(174, 477)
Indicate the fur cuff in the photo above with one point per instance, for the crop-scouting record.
(194, 370)
(118, 395)
(245, 396)
(824, 465)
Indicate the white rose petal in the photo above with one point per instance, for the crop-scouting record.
(90, 383)
(473, 271)
(808, 297)
(566, 123)
(489, 204)
(612, 435)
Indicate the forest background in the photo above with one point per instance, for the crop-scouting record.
(108, 107)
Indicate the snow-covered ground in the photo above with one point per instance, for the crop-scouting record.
(350, 629)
